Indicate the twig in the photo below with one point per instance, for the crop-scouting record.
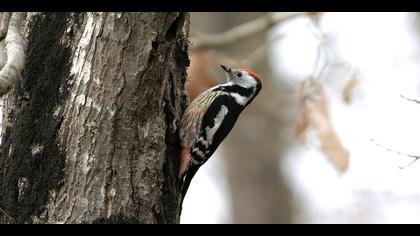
(242, 31)
(410, 99)
(416, 157)
(258, 54)
(331, 57)
(317, 61)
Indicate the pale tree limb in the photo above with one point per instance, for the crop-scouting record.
(5, 25)
(261, 52)
(15, 54)
(415, 157)
(255, 56)
(242, 31)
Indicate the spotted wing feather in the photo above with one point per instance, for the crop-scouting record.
(193, 116)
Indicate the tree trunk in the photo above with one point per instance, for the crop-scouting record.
(90, 130)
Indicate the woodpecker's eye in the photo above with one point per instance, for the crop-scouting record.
(239, 74)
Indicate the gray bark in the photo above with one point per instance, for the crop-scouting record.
(90, 130)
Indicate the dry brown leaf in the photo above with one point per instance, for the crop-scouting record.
(332, 147)
(314, 114)
(302, 126)
(348, 88)
(311, 98)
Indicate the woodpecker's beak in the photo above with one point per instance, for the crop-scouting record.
(228, 71)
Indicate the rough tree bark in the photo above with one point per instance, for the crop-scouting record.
(90, 130)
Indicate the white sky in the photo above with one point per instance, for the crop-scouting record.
(383, 48)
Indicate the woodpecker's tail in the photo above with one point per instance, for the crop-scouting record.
(186, 180)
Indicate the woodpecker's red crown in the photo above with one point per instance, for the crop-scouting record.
(251, 73)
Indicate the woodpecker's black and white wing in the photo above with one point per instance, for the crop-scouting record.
(206, 122)
(190, 132)
(193, 116)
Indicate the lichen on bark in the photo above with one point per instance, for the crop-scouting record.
(99, 104)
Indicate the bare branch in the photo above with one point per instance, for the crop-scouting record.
(15, 54)
(242, 31)
(332, 58)
(261, 52)
(410, 99)
(416, 157)
(5, 25)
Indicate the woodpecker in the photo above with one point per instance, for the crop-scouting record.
(210, 117)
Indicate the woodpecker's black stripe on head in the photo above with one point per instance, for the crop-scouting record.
(245, 92)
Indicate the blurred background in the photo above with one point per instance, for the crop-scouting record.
(334, 132)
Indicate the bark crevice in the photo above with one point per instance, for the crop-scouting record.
(104, 108)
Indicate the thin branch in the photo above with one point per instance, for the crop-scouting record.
(261, 52)
(252, 59)
(416, 157)
(317, 61)
(242, 31)
(410, 99)
(15, 54)
(330, 54)
(409, 164)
